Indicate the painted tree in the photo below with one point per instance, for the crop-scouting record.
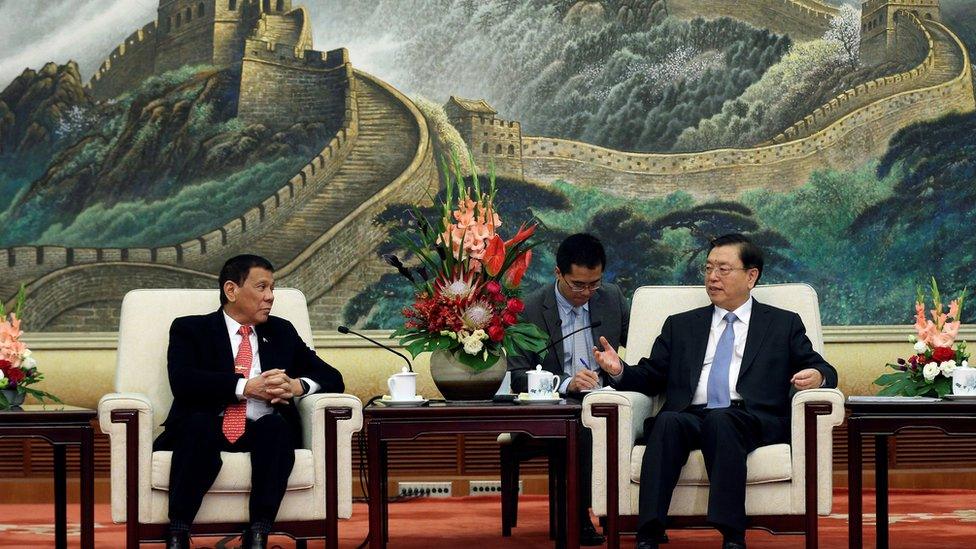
(845, 29)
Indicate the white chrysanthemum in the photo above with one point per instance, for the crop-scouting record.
(947, 367)
(480, 334)
(28, 362)
(920, 347)
(930, 371)
(477, 315)
(473, 345)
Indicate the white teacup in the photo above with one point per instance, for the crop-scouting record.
(542, 383)
(403, 386)
(964, 381)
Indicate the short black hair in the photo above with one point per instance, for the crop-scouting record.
(236, 270)
(750, 254)
(581, 249)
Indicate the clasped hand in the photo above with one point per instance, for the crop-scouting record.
(273, 386)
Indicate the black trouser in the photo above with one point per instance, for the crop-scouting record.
(725, 437)
(196, 444)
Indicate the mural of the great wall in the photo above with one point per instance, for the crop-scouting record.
(837, 133)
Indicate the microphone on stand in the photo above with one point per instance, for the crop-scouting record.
(346, 330)
(596, 324)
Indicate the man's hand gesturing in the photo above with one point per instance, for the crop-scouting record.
(608, 359)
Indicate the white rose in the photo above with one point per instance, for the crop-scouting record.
(27, 353)
(930, 371)
(28, 362)
(1, 374)
(472, 345)
(965, 364)
(947, 367)
(480, 334)
(920, 347)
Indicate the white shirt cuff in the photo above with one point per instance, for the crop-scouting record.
(240, 388)
(564, 386)
(312, 386)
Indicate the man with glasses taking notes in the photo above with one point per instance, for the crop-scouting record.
(727, 372)
(577, 300)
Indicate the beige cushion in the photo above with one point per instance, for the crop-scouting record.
(767, 464)
(235, 474)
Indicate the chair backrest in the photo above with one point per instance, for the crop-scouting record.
(651, 305)
(144, 336)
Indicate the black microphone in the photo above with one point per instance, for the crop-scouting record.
(596, 324)
(346, 330)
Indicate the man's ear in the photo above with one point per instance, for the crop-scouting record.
(230, 291)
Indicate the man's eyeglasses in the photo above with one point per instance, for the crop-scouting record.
(580, 287)
(722, 271)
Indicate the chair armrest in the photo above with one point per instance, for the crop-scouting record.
(632, 409)
(126, 407)
(312, 410)
(342, 415)
(829, 413)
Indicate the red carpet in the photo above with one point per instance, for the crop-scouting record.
(919, 519)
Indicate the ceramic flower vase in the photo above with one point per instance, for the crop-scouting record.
(457, 381)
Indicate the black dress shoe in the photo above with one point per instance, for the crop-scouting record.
(646, 543)
(178, 540)
(589, 535)
(254, 540)
(729, 544)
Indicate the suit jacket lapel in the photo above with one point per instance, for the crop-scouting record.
(554, 326)
(701, 325)
(597, 313)
(224, 350)
(758, 324)
(265, 346)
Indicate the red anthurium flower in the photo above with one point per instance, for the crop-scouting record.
(515, 305)
(496, 332)
(494, 256)
(513, 277)
(523, 234)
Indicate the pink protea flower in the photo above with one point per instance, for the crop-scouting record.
(477, 315)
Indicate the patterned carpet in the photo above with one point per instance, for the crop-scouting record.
(937, 519)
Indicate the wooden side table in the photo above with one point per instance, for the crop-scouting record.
(555, 422)
(883, 419)
(61, 426)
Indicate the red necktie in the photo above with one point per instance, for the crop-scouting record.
(236, 414)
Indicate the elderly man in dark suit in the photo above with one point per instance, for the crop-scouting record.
(565, 311)
(727, 372)
(235, 374)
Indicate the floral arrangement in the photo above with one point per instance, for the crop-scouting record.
(18, 369)
(467, 282)
(928, 372)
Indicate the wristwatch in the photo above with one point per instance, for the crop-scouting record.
(304, 386)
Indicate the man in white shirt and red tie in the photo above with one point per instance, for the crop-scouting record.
(727, 371)
(234, 374)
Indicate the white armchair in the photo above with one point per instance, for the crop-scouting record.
(780, 488)
(320, 486)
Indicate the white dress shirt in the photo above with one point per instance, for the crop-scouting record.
(740, 328)
(256, 408)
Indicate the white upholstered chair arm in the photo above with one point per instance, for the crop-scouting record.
(313, 410)
(825, 446)
(632, 409)
(113, 402)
